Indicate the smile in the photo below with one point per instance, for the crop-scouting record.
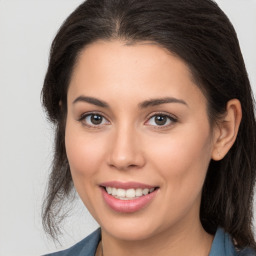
(128, 194)
(127, 197)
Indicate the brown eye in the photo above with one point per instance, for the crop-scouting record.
(94, 120)
(160, 119)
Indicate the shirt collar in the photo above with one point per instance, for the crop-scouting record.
(222, 244)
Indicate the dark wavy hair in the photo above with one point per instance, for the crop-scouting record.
(199, 33)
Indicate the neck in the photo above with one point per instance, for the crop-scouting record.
(183, 242)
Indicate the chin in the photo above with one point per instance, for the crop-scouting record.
(137, 234)
(129, 229)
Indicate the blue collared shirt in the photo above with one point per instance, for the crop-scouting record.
(222, 246)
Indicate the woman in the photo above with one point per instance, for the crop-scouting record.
(155, 129)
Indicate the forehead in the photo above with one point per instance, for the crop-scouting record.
(142, 69)
(141, 54)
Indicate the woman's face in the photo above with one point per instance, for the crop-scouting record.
(138, 139)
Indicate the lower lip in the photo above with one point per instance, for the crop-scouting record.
(128, 206)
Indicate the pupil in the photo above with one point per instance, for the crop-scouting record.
(160, 120)
(96, 119)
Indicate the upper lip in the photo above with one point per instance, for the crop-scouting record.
(126, 185)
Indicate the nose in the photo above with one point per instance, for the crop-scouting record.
(126, 151)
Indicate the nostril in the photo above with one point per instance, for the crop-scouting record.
(132, 166)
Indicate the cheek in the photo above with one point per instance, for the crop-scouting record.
(183, 157)
(83, 152)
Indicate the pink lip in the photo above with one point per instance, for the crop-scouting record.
(125, 185)
(127, 206)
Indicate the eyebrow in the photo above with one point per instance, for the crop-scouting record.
(144, 104)
(91, 100)
(159, 101)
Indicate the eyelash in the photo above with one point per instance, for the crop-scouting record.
(86, 115)
(172, 120)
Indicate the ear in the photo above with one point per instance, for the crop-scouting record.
(226, 130)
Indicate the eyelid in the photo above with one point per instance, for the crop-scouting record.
(86, 114)
(172, 117)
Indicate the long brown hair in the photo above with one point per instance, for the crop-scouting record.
(198, 32)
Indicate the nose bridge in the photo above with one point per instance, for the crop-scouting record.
(125, 149)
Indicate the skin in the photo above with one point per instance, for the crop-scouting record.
(128, 145)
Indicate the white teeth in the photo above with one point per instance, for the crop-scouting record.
(130, 193)
(114, 191)
(121, 192)
(138, 192)
(109, 190)
(145, 191)
(126, 194)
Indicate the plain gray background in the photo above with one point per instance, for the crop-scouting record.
(27, 28)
